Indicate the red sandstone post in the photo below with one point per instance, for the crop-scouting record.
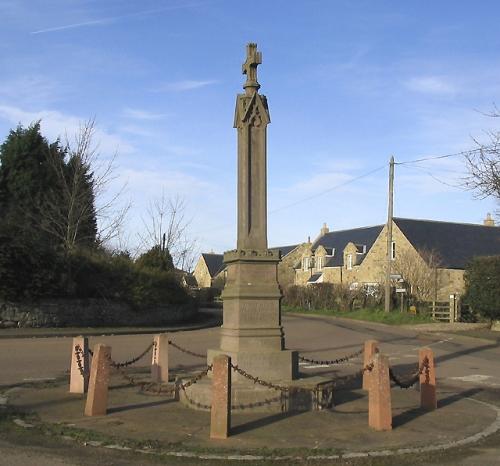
(159, 363)
(379, 395)
(78, 381)
(428, 399)
(97, 397)
(371, 347)
(220, 422)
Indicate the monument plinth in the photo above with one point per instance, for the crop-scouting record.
(251, 333)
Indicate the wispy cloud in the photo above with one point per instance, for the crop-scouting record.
(95, 22)
(430, 85)
(185, 85)
(56, 124)
(139, 114)
(112, 19)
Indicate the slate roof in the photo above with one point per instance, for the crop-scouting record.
(456, 243)
(339, 239)
(315, 277)
(214, 263)
(284, 249)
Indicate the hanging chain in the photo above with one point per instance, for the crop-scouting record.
(413, 378)
(332, 361)
(184, 350)
(79, 354)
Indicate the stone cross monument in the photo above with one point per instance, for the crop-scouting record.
(251, 333)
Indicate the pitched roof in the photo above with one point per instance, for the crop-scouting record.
(315, 277)
(284, 249)
(214, 263)
(339, 240)
(456, 243)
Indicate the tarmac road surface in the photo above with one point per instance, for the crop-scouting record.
(464, 364)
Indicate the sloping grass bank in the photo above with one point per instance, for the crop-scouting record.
(371, 315)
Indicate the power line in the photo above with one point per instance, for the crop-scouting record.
(437, 157)
(314, 196)
(433, 176)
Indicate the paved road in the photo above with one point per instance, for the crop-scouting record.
(464, 362)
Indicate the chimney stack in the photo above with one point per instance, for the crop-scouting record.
(488, 221)
(324, 230)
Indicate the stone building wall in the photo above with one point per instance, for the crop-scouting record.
(202, 274)
(286, 271)
(372, 268)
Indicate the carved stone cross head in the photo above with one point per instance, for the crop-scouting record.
(249, 68)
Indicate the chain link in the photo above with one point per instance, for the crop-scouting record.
(413, 378)
(130, 361)
(332, 361)
(184, 350)
(79, 354)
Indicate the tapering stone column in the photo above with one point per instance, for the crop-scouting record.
(251, 333)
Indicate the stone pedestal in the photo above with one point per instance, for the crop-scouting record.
(251, 333)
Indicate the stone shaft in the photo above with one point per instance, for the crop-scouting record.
(220, 415)
(371, 347)
(159, 362)
(97, 397)
(379, 395)
(428, 399)
(78, 382)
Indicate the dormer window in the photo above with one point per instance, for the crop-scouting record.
(349, 261)
(305, 263)
(320, 263)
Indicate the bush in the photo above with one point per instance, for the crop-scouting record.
(482, 286)
(328, 296)
(29, 269)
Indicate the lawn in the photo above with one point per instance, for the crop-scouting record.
(394, 317)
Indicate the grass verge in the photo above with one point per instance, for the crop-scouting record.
(369, 315)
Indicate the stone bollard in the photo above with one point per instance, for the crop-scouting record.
(220, 414)
(97, 397)
(371, 347)
(379, 395)
(428, 399)
(159, 363)
(78, 382)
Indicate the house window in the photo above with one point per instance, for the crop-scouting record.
(305, 263)
(349, 261)
(393, 250)
(319, 263)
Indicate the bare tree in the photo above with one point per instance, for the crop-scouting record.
(419, 269)
(483, 164)
(167, 227)
(80, 209)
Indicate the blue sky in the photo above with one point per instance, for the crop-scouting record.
(349, 83)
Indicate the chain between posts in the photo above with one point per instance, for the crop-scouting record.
(332, 361)
(184, 350)
(414, 377)
(130, 361)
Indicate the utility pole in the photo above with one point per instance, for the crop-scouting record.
(389, 237)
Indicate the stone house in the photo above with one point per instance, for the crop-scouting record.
(431, 255)
(210, 267)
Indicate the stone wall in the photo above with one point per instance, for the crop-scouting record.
(89, 313)
(202, 274)
(286, 271)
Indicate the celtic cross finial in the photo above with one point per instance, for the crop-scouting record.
(249, 68)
